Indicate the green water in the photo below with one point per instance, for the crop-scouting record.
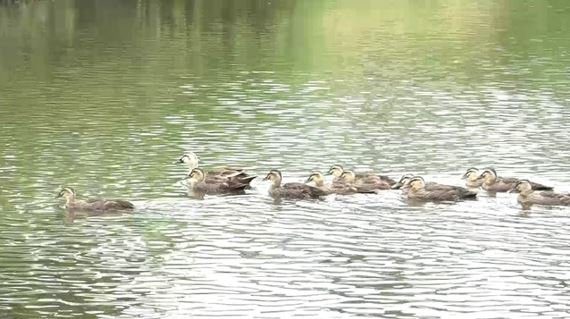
(104, 95)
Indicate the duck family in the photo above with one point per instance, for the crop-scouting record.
(229, 180)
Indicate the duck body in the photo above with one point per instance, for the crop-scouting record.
(438, 195)
(98, 205)
(292, 190)
(238, 176)
(543, 198)
(528, 196)
(494, 183)
(366, 184)
(419, 190)
(297, 191)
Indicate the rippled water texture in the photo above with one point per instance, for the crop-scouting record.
(104, 95)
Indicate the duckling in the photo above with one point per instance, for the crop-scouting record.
(367, 183)
(404, 185)
(337, 170)
(100, 205)
(219, 175)
(337, 187)
(198, 184)
(471, 178)
(528, 196)
(291, 190)
(419, 191)
(493, 183)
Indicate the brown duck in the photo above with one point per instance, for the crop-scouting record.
(198, 184)
(100, 205)
(219, 175)
(404, 185)
(336, 187)
(528, 196)
(337, 170)
(365, 184)
(291, 190)
(418, 191)
(494, 183)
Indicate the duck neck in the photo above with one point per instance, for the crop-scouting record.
(69, 200)
(417, 191)
(276, 183)
(491, 180)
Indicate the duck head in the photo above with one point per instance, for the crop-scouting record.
(417, 183)
(68, 193)
(489, 176)
(404, 181)
(317, 179)
(336, 170)
(190, 159)
(275, 177)
(348, 176)
(472, 174)
(523, 186)
(196, 175)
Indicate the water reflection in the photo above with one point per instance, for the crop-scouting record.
(102, 96)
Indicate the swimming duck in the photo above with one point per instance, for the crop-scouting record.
(419, 191)
(494, 183)
(404, 184)
(338, 187)
(528, 196)
(291, 190)
(471, 178)
(366, 183)
(102, 205)
(198, 184)
(337, 170)
(219, 175)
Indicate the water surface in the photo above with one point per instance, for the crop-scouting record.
(104, 95)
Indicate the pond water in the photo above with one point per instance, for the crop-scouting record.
(104, 95)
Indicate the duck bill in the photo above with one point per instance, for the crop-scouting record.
(179, 161)
(397, 185)
(464, 176)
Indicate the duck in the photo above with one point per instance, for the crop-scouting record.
(337, 170)
(366, 183)
(471, 178)
(404, 184)
(528, 196)
(99, 205)
(338, 187)
(291, 190)
(218, 175)
(198, 184)
(418, 190)
(491, 182)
